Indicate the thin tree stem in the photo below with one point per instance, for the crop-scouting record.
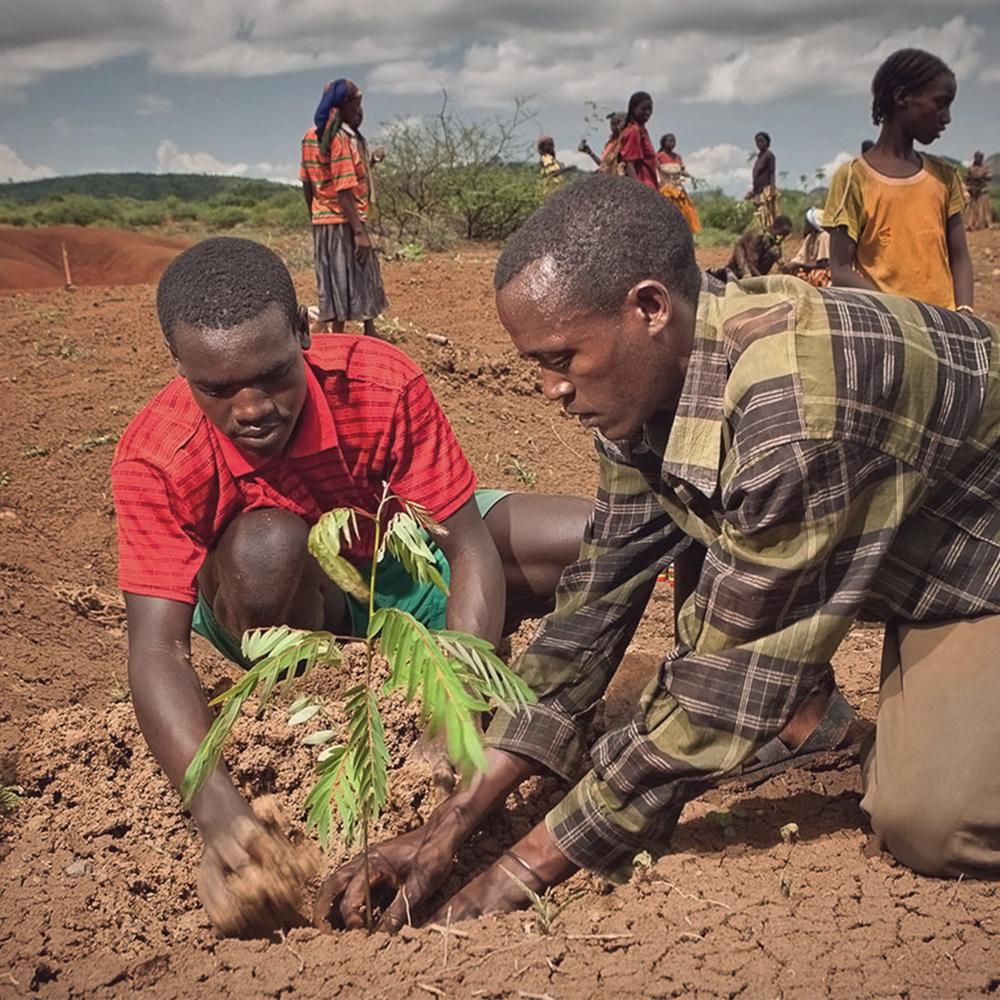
(369, 656)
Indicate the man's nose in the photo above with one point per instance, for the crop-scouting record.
(555, 386)
(251, 406)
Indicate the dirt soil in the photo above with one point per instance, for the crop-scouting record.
(38, 258)
(98, 865)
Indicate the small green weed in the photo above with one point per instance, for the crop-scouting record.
(543, 905)
(10, 798)
(95, 441)
(521, 472)
(64, 349)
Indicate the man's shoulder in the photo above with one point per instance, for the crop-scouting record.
(361, 362)
(163, 430)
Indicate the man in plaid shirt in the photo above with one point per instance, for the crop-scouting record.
(836, 452)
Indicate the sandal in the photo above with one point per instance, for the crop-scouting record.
(832, 743)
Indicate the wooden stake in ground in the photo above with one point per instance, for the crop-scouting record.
(69, 280)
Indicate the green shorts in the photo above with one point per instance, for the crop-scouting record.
(395, 589)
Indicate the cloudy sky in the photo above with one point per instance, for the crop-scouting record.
(229, 87)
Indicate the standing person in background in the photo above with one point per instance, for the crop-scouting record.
(672, 172)
(896, 215)
(637, 151)
(764, 193)
(979, 211)
(609, 162)
(550, 168)
(336, 184)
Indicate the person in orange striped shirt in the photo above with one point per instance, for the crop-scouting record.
(336, 184)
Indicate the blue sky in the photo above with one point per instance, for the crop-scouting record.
(227, 87)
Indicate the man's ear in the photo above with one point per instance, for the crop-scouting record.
(302, 328)
(656, 304)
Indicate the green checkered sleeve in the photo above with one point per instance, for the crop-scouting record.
(629, 539)
(809, 526)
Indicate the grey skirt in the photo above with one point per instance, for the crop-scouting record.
(348, 289)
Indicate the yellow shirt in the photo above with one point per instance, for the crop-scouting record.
(899, 225)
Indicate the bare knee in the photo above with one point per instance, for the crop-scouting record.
(259, 564)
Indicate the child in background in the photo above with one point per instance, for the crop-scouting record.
(812, 262)
(551, 169)
(609, 162)
(671, 169)
(636, 149)
(895, 215)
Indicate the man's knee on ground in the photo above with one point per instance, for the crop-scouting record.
(927, 834)
(262, 559)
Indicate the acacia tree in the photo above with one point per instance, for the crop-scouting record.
(446, 175)
(452, 676)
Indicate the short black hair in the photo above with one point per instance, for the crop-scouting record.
(222, 282)
(604, 235)
(783, 221)
(909, 69)
(762, 135)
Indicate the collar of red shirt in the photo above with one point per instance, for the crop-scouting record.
(315, 432)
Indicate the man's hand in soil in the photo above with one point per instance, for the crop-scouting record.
(534, 863)
(251, 877)
(415, 865)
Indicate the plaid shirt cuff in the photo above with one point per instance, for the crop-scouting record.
(586, 832)
(543, 733)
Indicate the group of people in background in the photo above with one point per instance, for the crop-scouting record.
(880, 206)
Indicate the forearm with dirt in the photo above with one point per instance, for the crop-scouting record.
(250, 878)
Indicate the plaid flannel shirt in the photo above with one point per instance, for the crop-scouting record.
(837, 453)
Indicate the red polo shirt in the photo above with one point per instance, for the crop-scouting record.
(369, 417)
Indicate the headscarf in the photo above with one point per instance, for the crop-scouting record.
(814, 216)
(327, 117)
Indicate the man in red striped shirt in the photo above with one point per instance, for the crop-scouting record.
(218, 479)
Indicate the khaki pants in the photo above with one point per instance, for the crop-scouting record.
(932, 778)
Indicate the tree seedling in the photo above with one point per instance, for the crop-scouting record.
(452, 676)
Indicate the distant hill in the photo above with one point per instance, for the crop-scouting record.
(143, 187)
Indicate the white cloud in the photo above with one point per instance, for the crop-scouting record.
(13, 168)
(724, 165)
(486, 51)
(152, 104)
(830, 167)
(172, 160)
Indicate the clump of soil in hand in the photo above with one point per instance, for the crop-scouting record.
(266, 891)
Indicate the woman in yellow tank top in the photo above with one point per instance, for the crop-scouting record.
(895, 215)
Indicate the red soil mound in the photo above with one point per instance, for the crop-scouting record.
(33, 258)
